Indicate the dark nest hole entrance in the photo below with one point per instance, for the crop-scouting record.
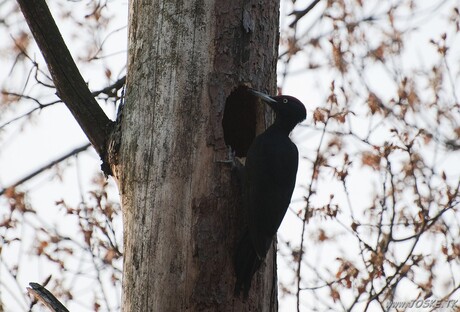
(239, 120)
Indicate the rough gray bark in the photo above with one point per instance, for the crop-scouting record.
(181, 205)
(182, 209)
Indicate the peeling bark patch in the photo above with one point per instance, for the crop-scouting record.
(239, 120)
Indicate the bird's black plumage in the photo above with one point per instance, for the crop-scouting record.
(270, 174)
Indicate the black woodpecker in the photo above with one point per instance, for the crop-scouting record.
(269, 180)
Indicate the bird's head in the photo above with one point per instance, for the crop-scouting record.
(289, 110)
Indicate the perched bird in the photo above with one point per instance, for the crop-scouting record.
(269, 180)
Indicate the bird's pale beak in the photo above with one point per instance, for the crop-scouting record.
(263, 96)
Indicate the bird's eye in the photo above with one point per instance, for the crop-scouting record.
(285, 101)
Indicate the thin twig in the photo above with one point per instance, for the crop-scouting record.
(299, 14)
(47, 166)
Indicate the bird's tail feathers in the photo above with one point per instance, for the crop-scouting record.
(246, 264)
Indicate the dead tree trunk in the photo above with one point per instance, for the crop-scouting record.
(181, 205)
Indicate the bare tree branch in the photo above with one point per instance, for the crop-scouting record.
(299, 14)
(71, 87)
(47, 166)
(45, 297)
(112, 89)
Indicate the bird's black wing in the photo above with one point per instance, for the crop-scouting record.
(271, 168)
